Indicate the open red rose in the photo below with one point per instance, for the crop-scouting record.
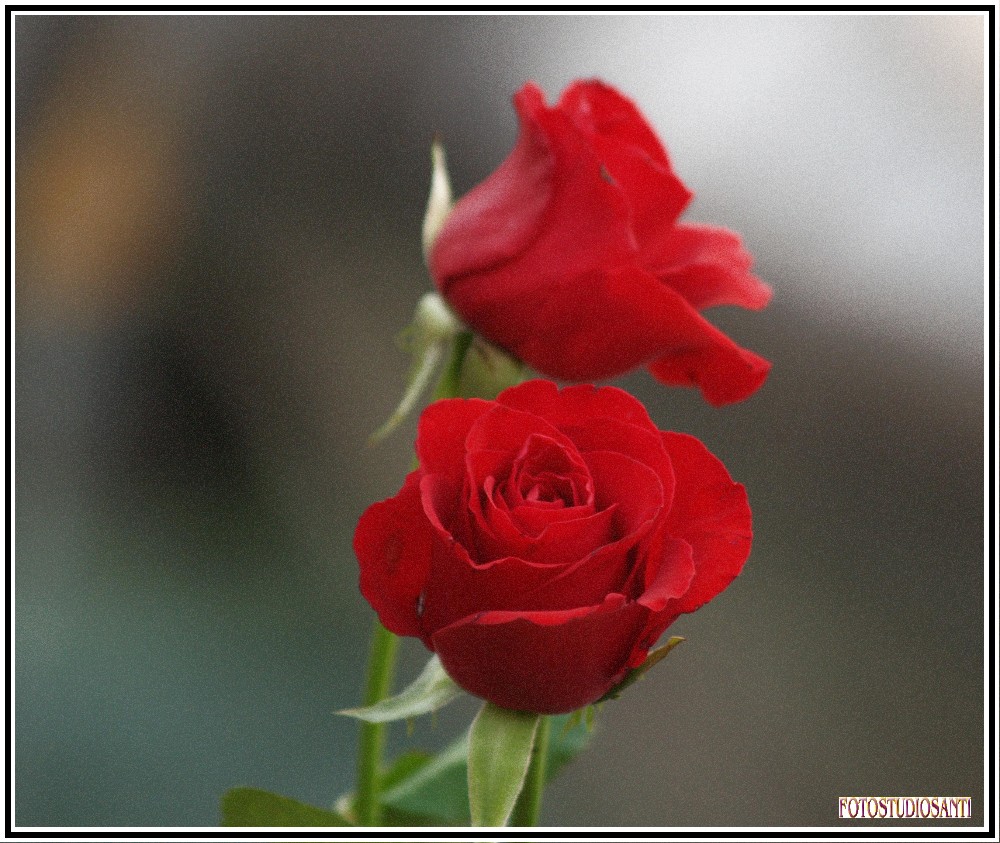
(548, 539)
(571, 256)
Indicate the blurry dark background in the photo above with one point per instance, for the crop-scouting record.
(217, 240)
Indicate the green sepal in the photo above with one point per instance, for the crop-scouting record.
(439, 201)
(636, 673)
(500, 744)
(567, 740)
(250, 806)
(431, 690)
(489, 370)
(427, 338)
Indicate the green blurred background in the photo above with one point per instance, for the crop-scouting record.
(218, 238)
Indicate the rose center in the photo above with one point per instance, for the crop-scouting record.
(545, 474)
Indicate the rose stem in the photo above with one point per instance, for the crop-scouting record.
(382, 661)
(372, 741)
(529, 803)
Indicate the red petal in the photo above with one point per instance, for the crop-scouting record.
(573, 406)
(725, 373)
(708, 266)
(631, 153)
(458, 584)
(456, 588)
(595, 419)
(445, 507)
(608, 323)
(561, 577)
(711, 513)
(601, 110)
(668, 576)
(701, 355)
(498, 218)
(637, 489)
(499, 247)
(638, 443)
(546, 662)
(492, 533)
(393, 543)
(591, 326)
(668, 579)
(441, 434)
(548, 537)
(534, 521)
(506, 430)
(497, 437)
(607, 569)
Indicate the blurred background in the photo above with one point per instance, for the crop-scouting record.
(217, 239)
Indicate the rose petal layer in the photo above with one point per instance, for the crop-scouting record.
(545, 662)
(574, 406)
(442, 431)
(632, 154)
(530, 208)
(711, 513)
(393, 542)
(708, 266)
(642, 321)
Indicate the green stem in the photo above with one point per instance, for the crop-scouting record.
(372, 742)
(382, 661)
(529, 803)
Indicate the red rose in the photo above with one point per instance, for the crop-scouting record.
(570, 255)
(547, 539)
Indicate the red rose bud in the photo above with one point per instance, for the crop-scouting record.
(571, 256)
(547, 539)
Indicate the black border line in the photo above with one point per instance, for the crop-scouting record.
(895, 833)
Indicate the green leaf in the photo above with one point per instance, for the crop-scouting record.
(636, 673)
(431, 690)
(249, 806)
(403, 768)
(500, 743)
(437, 790)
